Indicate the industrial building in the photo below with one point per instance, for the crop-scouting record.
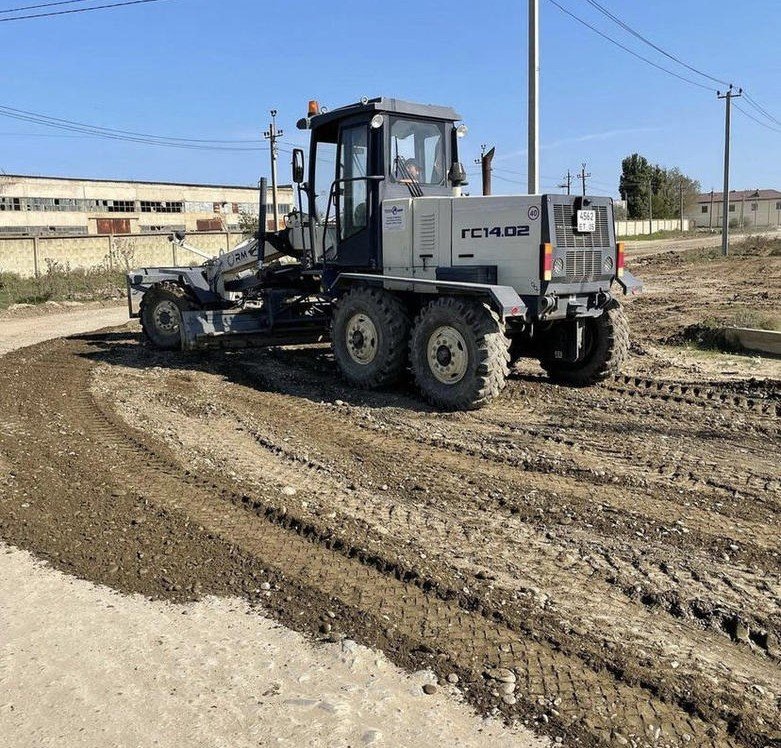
(747, 208)
(57, 206)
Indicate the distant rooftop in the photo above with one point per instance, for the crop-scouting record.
(136, 181)
(706, 197)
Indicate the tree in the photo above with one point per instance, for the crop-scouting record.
(248, 223)
(635, 175)
(638, 175)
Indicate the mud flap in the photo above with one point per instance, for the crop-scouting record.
(629, 284)
(567, 343)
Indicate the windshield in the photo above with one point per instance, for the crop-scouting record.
(417, 151)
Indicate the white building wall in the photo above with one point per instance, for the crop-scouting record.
(199, 202)
(767, 213)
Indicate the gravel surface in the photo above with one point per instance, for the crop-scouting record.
(601, 564)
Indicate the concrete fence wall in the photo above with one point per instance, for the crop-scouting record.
(640, 228)
(33, 256)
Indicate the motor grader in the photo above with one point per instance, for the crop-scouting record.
(386, 257)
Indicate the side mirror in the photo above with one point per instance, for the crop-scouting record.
(298, 166)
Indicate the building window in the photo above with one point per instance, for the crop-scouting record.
(704, 209)
(121, 206)
(161, 229)
(731, 208)
(778, 206)
(753, 206)
(154, 206)
(198, 207)
(10, 203)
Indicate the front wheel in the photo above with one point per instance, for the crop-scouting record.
(605, 350)
(161, 314)
(459, 353)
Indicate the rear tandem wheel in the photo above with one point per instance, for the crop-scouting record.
(459, 353)
(369, 336)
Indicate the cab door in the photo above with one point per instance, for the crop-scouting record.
(356, 199)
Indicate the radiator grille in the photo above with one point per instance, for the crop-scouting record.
(565, 221)
(583, 264)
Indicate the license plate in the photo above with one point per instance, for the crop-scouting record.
(587, 221)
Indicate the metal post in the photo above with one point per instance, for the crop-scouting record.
(272, 135)
(727, 96)
(680, 191)
(650, 207)
(534, 98)
(486, 157)
(582, 177)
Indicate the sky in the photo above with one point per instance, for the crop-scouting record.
(213, 70)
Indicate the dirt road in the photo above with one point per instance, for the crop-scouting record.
(76, 669)
(28, 328)
(602, 564)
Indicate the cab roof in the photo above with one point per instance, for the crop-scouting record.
(383, 104)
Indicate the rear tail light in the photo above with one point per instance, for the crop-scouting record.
(547, 261)
(620, 259)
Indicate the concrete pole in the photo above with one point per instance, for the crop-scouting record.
(36, 258)
(534, 98)
(728, 96)
(272, 135)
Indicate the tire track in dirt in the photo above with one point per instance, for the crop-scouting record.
(540, 473)
(285, 411)
(594, 706)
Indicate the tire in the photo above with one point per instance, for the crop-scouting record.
(161, 308)
(369, 335)
(459, 353)
(607, 349)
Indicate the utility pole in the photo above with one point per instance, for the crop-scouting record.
(534, 98)
(583, 176)
(485, 163)
(568, 183)
(710, 216)
(272, 135)
(728, 95)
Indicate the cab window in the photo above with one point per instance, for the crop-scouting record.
(417, 151)
(353, 192)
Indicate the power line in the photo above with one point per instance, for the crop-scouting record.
(642, 38)
(127, 135)
(756, 106)
(758, 121)
(79, 10)
(43, 5)
(627, 49)
(750, 100)
(147, 141)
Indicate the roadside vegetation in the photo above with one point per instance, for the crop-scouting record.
(61, 283)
